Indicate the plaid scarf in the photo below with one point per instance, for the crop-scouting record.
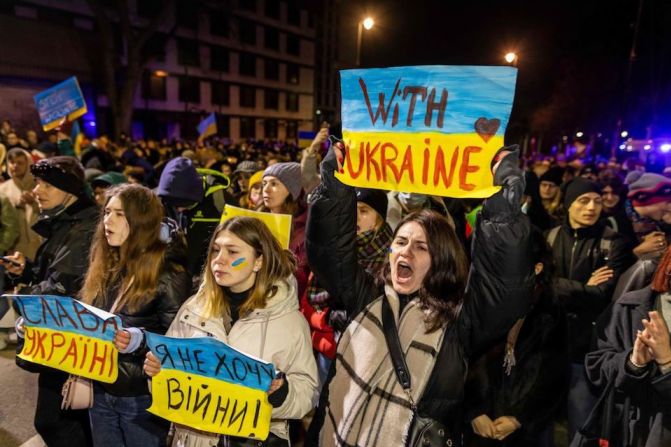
(366, 404)
(372, 249)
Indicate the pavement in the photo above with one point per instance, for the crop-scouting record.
(18, 394)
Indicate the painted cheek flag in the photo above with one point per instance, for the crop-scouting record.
(65, 334)
(207, 127)
(207, 385)
(278, 224)
(64, 100)
(425, 129)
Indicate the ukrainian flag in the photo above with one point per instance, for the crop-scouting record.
(207, 127)
(77, 137)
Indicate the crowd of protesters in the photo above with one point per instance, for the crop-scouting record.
(547, 302)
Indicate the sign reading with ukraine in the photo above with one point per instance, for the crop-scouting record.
(210, 386)
(65, 334)
(425, 129)
(64, 100)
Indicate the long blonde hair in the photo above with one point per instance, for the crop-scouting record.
(138, 262)
(277, 265)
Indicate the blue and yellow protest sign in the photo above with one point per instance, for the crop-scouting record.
(425, 129)
(64, 100)
(278, 224)
(65, 334)
(210, 386)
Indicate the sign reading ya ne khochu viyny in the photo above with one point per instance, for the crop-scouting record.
(65, 334)
(210, 386)
(425, 129)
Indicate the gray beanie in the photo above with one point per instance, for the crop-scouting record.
(290, 176)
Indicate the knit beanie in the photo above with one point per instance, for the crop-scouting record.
(289, 174)
(375, 198)
(577, 187)
(256, 178)
(650, 189)
(107, 179)
(63, 172)
(180, 183)
(553, 175)
(247, 167)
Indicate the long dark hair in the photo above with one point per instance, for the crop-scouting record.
(442, 292)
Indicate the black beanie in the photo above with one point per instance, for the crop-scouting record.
(555, 175)
(63, 172)
(374, 198)
(577, 187)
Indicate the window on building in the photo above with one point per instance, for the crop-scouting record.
(270, 128)
(292, 102)
(292, 129)
(149, 9)
(247, 96)
(218, 58)
(272, 9)
(247, 127)
(293, 72)
(220, 93)
(219, 23)
(247, 5)
(311, 20)
(188, 52)
(247, 31)
(271, 38)
(187, 14)
(272, 99)
(272, 70)
(153, 87)
(247, 64)
(155, 47)
(293, 14)
(189, 89)
(293, 44)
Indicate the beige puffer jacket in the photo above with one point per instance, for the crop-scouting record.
(278, 334)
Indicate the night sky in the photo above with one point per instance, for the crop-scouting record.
(573, 55)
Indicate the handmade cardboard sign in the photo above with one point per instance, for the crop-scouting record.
(210, 386)
(65, 334)
(425, 129)
(64, 100)
(279, 224)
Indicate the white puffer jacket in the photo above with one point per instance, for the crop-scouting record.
(278, 334)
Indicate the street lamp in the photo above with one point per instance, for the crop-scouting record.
(511, 58)
(367, 23)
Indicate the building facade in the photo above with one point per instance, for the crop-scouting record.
(250, 61)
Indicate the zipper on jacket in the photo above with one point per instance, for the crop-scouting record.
(575, 244)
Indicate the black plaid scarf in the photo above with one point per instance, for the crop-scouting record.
(372, 250)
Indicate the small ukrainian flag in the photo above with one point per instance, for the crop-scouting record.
(207, 127)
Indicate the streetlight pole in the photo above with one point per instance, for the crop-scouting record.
(367, 23)
(358, 43)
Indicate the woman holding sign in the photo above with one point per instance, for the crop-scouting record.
(402, 362)
(248, 299)
(134, 274)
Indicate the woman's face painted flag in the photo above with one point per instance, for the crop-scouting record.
(425, 129)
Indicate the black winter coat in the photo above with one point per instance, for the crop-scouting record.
(649, 396)
(577, 253)
(535, 388)
(499, 287)
(63, 258)
(61, 261)
(174, 287)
